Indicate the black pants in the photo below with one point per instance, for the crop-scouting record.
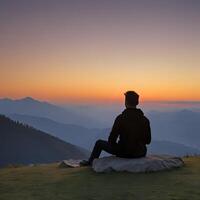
(102, 145)
(114, 150)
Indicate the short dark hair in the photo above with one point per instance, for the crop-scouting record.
(131, 98)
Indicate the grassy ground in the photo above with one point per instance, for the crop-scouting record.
(52, 183)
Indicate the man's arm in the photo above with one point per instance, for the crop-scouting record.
(112, 139)
(147, 131)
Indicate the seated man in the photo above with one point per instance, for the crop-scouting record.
(129, 135)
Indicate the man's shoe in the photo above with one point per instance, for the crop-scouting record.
(85, 163)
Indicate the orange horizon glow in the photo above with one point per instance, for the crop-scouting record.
(99, 98)
(94, 52)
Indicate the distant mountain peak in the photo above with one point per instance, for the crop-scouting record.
(22, 99)
(28, 99)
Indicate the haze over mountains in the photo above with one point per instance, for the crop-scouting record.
(176, 132)
(86, 137)
(178, 126)
(74, 134)
(30, 106)
(106, 112)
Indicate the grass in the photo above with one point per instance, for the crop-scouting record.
(52, 183)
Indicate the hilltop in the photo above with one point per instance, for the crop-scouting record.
(50, 182)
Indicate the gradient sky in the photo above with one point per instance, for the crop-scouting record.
(82, 50)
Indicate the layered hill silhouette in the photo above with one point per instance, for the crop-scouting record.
(22, 144)
(86, 138)
(176, 131)
(30, 106)
(74, 134)
(171, 148)
(179, 126)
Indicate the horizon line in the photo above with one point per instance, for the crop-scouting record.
(189, 101)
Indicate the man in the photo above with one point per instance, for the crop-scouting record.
(129, 135)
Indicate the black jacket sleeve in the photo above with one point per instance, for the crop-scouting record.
(147, 131)
(112, 139)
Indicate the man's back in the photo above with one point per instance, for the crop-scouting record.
(134, 133)
(133, 130)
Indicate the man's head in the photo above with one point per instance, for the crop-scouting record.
(131, 99)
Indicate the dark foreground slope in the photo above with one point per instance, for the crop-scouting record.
(20, 144)
(50, 182)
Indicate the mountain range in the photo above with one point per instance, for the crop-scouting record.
(86, 137)
(22, 144)
(30, 106)
(174, 132)
(74, 134)
(178, 126)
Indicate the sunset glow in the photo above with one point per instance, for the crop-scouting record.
(94, 51)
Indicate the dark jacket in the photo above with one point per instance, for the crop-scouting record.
(134, 132)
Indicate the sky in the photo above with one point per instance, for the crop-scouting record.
(81, 50)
